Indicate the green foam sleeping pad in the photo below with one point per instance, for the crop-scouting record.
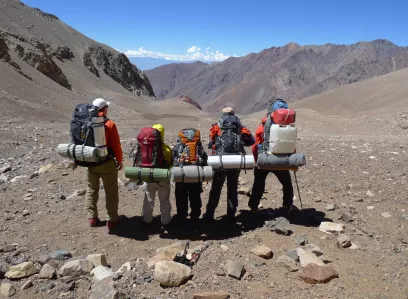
(148, 174)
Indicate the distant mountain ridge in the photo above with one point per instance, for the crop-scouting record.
(292, 72)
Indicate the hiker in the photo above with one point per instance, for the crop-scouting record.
(189, 151)
(162, 188)
(229, 137)
(260, 175)
(107, 171)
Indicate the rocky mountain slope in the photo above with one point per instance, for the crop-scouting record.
(292, 72)
(38, 49)
(170, 77)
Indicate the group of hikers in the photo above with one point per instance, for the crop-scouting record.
(186, 194)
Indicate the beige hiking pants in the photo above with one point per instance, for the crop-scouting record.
(109, 175)
(164, 197)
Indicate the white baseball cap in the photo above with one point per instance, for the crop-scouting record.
(100, 103)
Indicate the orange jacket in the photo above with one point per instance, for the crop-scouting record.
(216, 131)
(112, 139)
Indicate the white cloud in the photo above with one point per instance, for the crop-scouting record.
(193, 53)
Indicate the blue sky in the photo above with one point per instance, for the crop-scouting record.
(167, 29)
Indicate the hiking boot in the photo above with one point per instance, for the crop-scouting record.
(94, 222)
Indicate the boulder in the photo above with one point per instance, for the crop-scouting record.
(21, 271)
(167, 253)
(307, 257)
(47, 272)
(60, 255)
(287, 263)
(7, 290)
(263, 251)
(125, 268)
(171, 274)
(314, 248)
(234, 269)
(76, 268)
(98, 260)
(317, 274)
(279, 225)
(99, 273)
(105, 289)
(293, 255)
(301, 240)
(211, 295)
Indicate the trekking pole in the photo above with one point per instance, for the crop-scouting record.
(297, 186)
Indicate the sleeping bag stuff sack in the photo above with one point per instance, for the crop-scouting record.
(281, 162)
(231, 162)
(147, 174)
(79, 152)
(192, 174)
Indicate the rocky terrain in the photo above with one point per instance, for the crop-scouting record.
(187, 99)
(292, 72)
(349, 240)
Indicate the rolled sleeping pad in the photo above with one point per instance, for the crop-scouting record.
(192, 174)
(79, 152)
(284, 162)
(231, 162)
(147, 174)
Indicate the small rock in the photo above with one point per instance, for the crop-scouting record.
(353, 246)
(331, 207)
(224, 247)
(7, 290)
(76, 268)
(26, 213)
(47, 272)
(370, 208)
(44, 259)
(293, 255)
(263, 251)
(280, 225)
(245, 191)
(28, 284)
(8, 248)
(21, 271)
(326, 259)
(101, 272)
(318, 199)
(301, 240)
(47, 287)
(17, 178)
(17, 261)
(60, 255)
(98, 260)
(105, 289)
(343, 241)
(315, 249)
(62, 197)
(3, 179)
(330, 227)
(34, 175)
(386, 215)
(46, 168)
(287, 263)
(370, 194)
(5, 168)
(171, 274)
(313, 274)
(372, 158)
(76, 194)
(211, 295)
(67, 287)
(346, 218)
(307, 257)
(125, 268)
(234, 269)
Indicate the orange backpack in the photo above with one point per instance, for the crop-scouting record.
(190, 147)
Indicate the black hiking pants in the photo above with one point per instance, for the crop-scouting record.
(186, 192)
(259, 186)
(232, 192)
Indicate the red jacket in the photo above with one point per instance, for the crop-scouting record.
(216, 131)
(258, 140)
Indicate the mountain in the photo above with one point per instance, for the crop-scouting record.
(47, 65)
(170, 77)
(292, 72)
(147, 63)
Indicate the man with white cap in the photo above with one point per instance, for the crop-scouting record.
(108, 172)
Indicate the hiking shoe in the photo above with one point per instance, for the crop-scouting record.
(94, 222)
